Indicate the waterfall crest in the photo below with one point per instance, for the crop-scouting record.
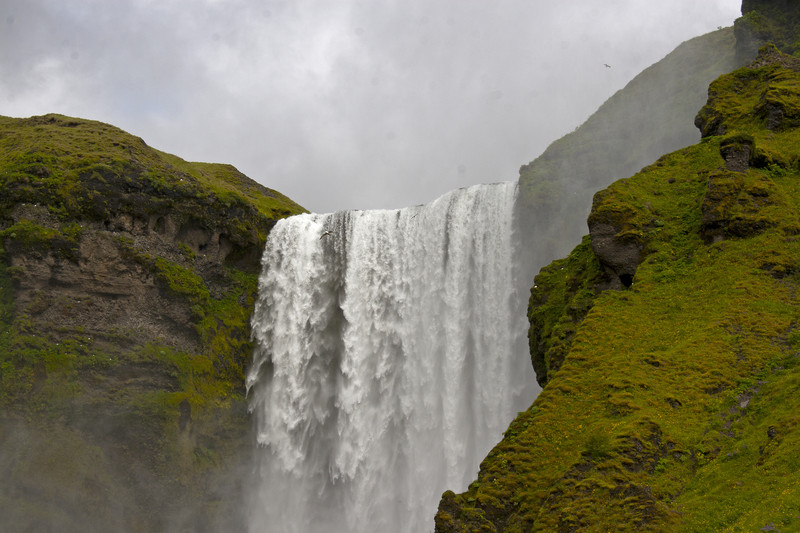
(391, 354)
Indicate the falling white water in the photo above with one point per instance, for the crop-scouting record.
(390, 356)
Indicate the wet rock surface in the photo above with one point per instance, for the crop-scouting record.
(619, 254)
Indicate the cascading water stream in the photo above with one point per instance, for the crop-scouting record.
(391, 354)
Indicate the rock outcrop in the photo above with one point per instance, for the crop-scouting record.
(617, 239)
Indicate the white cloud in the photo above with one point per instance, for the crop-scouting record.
(340, 104)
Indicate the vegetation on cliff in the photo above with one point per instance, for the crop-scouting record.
(127, 279)
(768, 21)
(667, 404)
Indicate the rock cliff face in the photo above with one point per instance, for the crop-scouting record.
(127, 277)
(668, 401)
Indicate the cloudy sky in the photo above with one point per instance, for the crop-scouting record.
(340, 104)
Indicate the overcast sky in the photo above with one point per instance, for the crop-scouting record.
(340, 104)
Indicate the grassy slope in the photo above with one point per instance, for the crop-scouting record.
(675, 406)
(90, 418)
(64, 162)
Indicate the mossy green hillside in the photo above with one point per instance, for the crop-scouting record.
(673, 408)
(127, 280)
(82, 169)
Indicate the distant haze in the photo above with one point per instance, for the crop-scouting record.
(340, 104)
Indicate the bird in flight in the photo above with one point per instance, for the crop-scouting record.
(325, 234)
(607, 65)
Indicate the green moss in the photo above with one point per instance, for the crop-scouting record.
(182, 281)
(28, 238)
(225, 328)
(765, 90)
(562, 295)
(752, 480)
(737, 139)
(598, 446)
(186, 251)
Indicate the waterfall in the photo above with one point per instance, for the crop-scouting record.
(391, 354)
